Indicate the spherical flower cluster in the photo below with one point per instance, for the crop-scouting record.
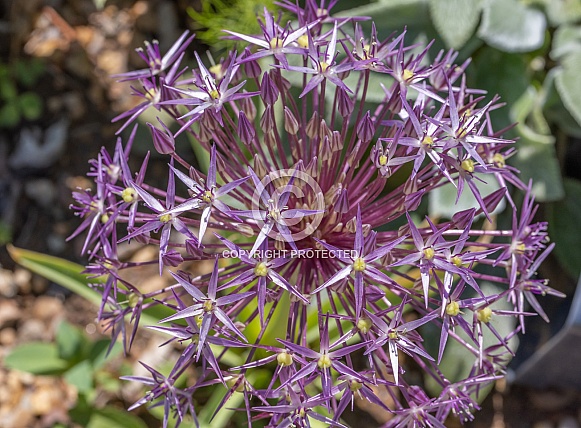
(307, 210)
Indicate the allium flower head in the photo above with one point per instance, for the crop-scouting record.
(310, 211)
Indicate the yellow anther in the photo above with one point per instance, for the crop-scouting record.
(467, 113)
(165, 218)
(484, 315)
(207, 196)
(261, 269)
(276, 43)
(104, 218)
(199, 319)
(324, 362)
(499, 160)
(284, 359)
(468, 165)
(429, 253)
(407, 75)
(382, 160)
(392, 335)
(355, 386)
(129, 195)
(453, 309)
(364, 325)
(359, 265)
(214, 94)
(428, 141)
(457, 261)
(208, 305)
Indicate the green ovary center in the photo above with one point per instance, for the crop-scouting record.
(208, 305)
(165, 218)
(453, 309)
(407, 75)
(468, 165)
(457, 261)
(484, 315)
(214, 94)
(261, 269)
(429, 253)
(129, 195)
(324, 362)
(364, 325)
(428, 142)
(276, 43)
(207, 196)
(359, 265)
(499, 160)
(284, 359)
(355, 386)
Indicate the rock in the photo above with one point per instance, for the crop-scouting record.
(31, 330)
(9, 313)
(46, 308)
(552, 400)
(7, 337)
(8, 287)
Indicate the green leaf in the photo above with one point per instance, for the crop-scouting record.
(68, 340)
(442, 200)
(566, 41)
(61, 271)
(112, 417)
(30, 105)
(562, 11)
(564, 218)
(511, 26)
(9, 115)
(8, 89)
(569, 85)
(554, 109)
(538, 161)
(503, 74)
(70, 276)
(81, 376)
(455, 20)
(28, 71)
(394, 15)
(98, 352)
(36, 358)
